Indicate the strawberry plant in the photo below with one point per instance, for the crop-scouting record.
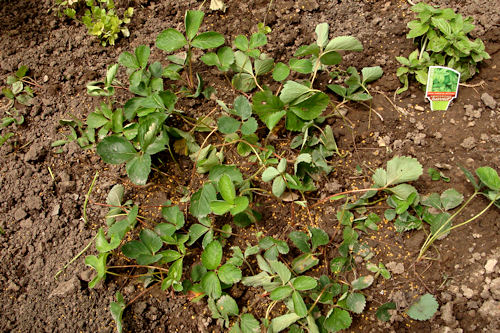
(442, 37)
(171, 40)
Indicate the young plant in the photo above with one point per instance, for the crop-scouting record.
(442, 36)
(171, 40)
(307, 244)
(356, 86)
(488, 186)
(12, 118)
(100, 19)
(19, 89)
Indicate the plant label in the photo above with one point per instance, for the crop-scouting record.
(442, 86)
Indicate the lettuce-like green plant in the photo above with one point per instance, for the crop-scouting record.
(442, 39)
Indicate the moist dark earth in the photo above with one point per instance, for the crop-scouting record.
(43, 191)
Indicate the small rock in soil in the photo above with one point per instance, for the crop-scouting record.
(467, 291)
(490, 265)
(20, 214)
(488, 101)
(396, 267)
(470, 112)
(447, 313)
(419, 108)
(33, 202)
(495, 288)
(86, 275)
(36, 152)
(65, 288)
(469, 143)
(11, 286)
(490, 309)
(438, 135)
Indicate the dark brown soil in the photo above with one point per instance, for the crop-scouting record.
(42, 192)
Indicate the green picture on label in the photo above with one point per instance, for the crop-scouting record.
(442, 86)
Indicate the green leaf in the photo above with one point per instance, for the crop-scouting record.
(173, 215)
(226, 188)
(115, 150)
(331, 58)
(268, 107)
(96, 120)
(99, 264)
(356, 302)
(170, 40)
(304, 157)
(282, 271)
(279, 186)
(115, 195)
(116, 309)
(220, 207)
(263, 66)
(278, 324)
(228, 125)
(240, 204)
(138, 169)
(344, 43)
(229, 274)
(102, 245)
(304, 262)
(318, 237)
(489, 177)
(400, 169)
(322, 34)
(280, 72)
(337, 320)
(149, 127)
(300, 240)
(150, 240)
(280, 293)
(211, 285)
(142, 54)
(424, 308)
(226, 305)
(269, 174)
(312, 107)
(128, 60)
(304, 283)
(226, 56)
(243, 81)
(451, 198)
(470, 177)
(292, 91)
(249, 324)
(298, 304)
(241, 42)
(242, 107)
(383, 311)
(208, 40)
(200, 201)
(371, 74)
(249, 126)
(257, 40)
(212, 255)
(417, 29)
(362, 282)
(192, 22)
(303, 66)
(443, 25)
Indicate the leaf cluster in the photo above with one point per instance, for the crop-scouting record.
(442, 37)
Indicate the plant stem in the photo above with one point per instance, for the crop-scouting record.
(87, 197)
(317, 298)
(75, 257)
(433, 236)
(347, 192)
(422, 50)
